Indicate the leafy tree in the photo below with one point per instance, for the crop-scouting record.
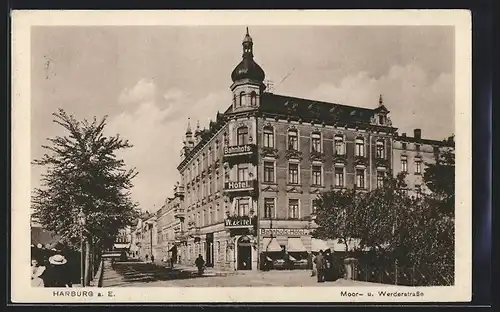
(84, 176)
(336, 215)
(439, 177)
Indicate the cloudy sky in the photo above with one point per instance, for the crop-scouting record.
(149, 80)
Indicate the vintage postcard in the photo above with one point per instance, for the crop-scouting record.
(241, 156)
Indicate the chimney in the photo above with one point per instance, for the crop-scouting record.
(417, 133)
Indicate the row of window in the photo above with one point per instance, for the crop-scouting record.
(243, 138)
(316, 144)
(404, 165)
(317, 175)
(240, 100)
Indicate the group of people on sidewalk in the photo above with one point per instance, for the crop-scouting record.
(326, 268)
(49, 268)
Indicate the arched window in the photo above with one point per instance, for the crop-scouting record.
(268, 136)
(339, 145)
(380, 149)
(293, 140)
(316, 142)
(242, 136)
(253, 98)
(360, 147)
(242, 98)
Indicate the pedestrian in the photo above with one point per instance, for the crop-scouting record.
(313, 264)
(37, 270)
(57, 273)
(147, 258)
(199, 262)
(152, 259)
(320, 266)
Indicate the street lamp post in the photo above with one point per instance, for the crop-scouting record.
(81, 221)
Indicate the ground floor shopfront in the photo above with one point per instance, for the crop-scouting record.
(282, 244)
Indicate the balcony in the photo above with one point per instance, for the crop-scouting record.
(179, 213)
(340, 158)
(240, 222)
(180, 236)
(179, 191)
(240, 186)
(240, 153)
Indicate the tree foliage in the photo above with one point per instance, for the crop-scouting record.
(389, 222)
(439, 177)
(84, 174)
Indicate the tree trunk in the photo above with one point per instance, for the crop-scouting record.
(88, 269)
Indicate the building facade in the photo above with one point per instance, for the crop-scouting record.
(249, 180)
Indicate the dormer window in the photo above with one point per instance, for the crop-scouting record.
(381, 119)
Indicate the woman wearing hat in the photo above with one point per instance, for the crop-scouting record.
(57, 274)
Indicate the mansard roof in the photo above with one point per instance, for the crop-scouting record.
(281, 105)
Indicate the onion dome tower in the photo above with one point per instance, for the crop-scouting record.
(248, 78)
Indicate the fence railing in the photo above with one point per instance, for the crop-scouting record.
(406, 275)
(97, 277)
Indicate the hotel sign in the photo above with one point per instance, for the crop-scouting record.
(284, 232)
(239, 150)
(239, 185)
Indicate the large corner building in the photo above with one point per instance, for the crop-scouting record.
(250, 178)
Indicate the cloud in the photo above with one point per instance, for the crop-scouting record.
(143, 90)
(414, 98)
(156, 128)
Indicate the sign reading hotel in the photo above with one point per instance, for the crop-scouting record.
(239, 185)
(283, 232)
(238, 150)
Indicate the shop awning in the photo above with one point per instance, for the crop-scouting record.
(318, 244)
(270, 245)
(121, 246)
(295, 245)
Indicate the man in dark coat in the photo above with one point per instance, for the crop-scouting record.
(57, 273)
(199, 262)
(320, 266)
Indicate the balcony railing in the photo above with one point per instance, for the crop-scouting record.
(239, 186)
(180, 236)
(179, 212)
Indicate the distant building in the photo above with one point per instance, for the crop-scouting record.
(248, 181)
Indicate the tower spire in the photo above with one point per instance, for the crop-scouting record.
(380, 100)
(188, 130)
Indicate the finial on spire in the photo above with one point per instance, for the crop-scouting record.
(380, 100)
(247, 32)
(198, 124)
(188, 130)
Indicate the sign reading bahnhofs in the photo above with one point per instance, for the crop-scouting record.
(238, 150)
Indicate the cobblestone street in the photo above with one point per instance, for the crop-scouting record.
(139, 274)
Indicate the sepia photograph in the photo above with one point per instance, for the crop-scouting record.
(189, 158)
